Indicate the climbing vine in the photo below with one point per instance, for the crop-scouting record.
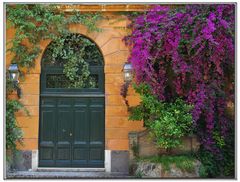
(35, 22)
(32, 24)
(13, 132)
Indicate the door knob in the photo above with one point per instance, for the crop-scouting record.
(70, 134)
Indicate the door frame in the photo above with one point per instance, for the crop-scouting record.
(107, 153)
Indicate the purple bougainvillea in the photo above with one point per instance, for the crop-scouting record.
(188, 52)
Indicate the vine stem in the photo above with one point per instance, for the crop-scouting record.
(124, 90)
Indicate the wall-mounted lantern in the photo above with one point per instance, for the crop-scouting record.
(127, 69)
(13, 76)
(13, 73)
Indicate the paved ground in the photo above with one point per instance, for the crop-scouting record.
(65, 175)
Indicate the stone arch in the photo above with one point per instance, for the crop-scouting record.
(80, 29)
(101, 39)
(83, 37)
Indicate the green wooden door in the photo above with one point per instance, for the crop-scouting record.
(71, 131)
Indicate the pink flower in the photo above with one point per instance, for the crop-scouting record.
(224, 23)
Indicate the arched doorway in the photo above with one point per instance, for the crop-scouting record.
(71, 131)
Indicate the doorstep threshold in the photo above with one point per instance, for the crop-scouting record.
(60, 169)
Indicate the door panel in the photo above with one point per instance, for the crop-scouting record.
(47, 139)
(96, 135)
(64, 129)
(96, 155)
(81, 133)
(48, 123)
(64, 132)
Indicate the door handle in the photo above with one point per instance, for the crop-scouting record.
(70, 134)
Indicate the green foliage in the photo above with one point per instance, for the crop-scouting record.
(229, 153)
(210, 167)
(34, 23)
(183, 162)
(9, 85)
(202, 171)
(219, 139)
(168, 122)
(75, 60)
(74, 52)
(87, 19)
(224, 166)
(13, 132)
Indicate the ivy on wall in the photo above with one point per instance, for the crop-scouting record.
(34, 23)
(13, 132)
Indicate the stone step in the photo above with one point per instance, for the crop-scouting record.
(49, 169)
(65, 175)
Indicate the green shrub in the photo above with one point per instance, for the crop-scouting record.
(167, 122)
(183, 162)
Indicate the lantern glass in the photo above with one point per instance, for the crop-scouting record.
(13, 72)
(127, 72)
(13, 76)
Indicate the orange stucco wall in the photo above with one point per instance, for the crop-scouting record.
(115, 55)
